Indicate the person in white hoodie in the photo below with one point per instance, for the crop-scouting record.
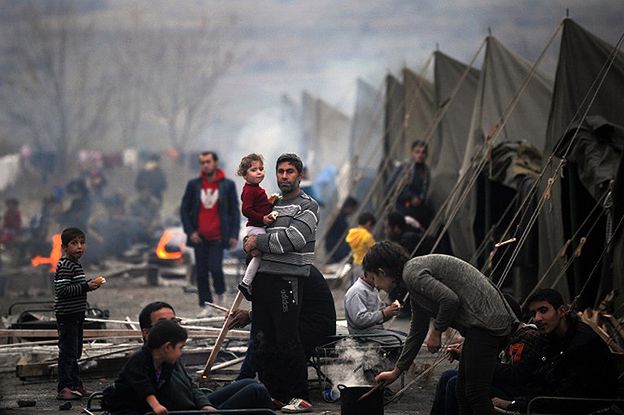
(366, 313)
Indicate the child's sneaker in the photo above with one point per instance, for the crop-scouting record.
(297, 406)
(67, 394)
(246, 290)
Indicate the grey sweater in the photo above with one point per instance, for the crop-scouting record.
(288, 246)
(363, 309)
(457, 295)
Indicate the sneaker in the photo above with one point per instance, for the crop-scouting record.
(245, 290)
(297, 406)
(67, 394)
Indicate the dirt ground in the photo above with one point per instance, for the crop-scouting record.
(125, 296)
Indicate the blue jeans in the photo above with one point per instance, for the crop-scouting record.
(209, 260)
(241, 394)
(70, 350)
(445, 400)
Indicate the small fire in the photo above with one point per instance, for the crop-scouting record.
(161, 249)
(55, 254)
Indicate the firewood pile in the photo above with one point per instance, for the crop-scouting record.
(106, 350)
(605, 324)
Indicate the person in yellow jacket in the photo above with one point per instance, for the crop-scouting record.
(360, 239)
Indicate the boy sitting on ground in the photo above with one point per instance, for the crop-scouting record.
(136, 389)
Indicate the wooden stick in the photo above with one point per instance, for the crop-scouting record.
(131, 325)
(109, 333)
(616, 325)
(224, 330)
(600, 332)
(218, 307)
(227, 364)
(372, 390)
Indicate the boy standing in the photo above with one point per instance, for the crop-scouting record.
(70, 303)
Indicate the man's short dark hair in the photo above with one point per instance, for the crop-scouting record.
(366, 218)
(396, 219)
(69, 234)
(145, 316)
(210, 153)
(166, 331)
(552, 297)
(291, 158)
(388, 256)
(420, 143)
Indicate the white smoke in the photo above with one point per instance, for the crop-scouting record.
(353, 360)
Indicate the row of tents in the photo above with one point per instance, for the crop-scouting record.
(525, 181)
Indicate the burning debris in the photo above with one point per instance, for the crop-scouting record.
(55, 254)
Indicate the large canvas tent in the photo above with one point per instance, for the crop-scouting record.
(447, 146)
(589, 84)
(365, 147)
(326, 132)
(511, 107)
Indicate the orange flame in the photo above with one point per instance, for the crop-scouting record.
(161, 249)
(55, 254)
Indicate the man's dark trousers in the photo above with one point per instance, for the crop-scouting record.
(476, 371)
(209, 260)
(278, 354)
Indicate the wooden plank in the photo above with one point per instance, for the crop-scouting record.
(107, 366)
(221, 337)
(91, 333)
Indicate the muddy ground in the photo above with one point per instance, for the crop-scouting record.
(125, 296)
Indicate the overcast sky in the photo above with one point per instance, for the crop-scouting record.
(322, 46)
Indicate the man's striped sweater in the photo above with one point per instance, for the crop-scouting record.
(70, 290)
(288, 246)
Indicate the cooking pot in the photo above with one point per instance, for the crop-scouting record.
(349, 404)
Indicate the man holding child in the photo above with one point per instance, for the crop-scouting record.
(287, 251)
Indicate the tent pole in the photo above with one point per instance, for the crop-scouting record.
(574, 223)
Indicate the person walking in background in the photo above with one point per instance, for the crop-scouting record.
(152, 178)
(287, 251)
(256, 207)
(412, 199)
(11, 223)
(335, 245)
(70, 304)
(211, 221)
(360, 239)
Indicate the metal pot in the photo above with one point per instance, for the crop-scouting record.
(349, 404)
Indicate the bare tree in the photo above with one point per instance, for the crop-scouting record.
(185, 66)
(53, 85)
